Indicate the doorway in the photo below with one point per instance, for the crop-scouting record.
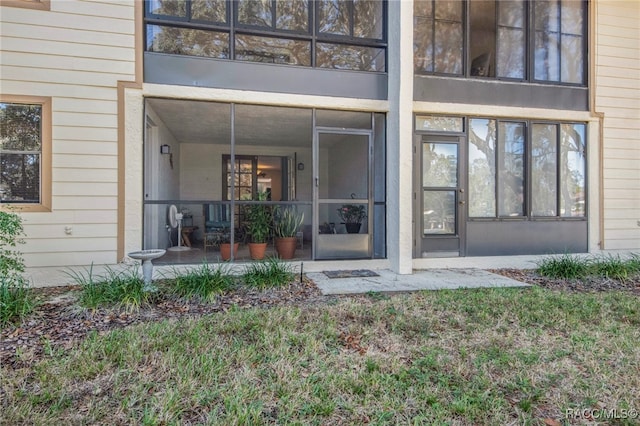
(440, 198)
(343, 180)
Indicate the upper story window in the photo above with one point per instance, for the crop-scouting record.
(346, 34)
(537, 41)
(25, 152)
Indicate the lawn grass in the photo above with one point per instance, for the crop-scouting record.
(463, 357)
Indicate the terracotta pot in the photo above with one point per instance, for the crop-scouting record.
(286, 247)
(225, 250)
(352, 228)
(257, 250)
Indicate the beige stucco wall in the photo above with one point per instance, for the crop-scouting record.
(74, 53)
(617, 97)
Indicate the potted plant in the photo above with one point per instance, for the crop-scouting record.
(352, 216)
(287, 222)
(259, 226)
(223, 240)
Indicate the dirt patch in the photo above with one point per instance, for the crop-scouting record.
(583, 285)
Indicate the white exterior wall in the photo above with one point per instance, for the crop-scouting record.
(617, 85)
(75, 53)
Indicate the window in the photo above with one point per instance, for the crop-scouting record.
(346, 34)
(500, 43)
(25, 152)
(498, 185)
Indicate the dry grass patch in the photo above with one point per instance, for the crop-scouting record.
(466, 357)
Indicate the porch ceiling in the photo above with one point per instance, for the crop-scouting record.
(210, 122)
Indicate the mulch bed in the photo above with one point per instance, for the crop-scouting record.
(59, 323)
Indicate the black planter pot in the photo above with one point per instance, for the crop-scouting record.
(353, 228)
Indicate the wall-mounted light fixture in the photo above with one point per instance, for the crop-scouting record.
(165, 149)
(301, 166)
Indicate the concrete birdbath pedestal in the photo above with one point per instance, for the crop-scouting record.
(147, 267)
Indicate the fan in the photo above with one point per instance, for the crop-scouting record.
(175, 220)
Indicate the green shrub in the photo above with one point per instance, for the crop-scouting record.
(124, 288)
(16, 299)
(268, 273)
(565, 266)
(205, 282)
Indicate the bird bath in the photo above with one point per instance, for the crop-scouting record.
(147, 267)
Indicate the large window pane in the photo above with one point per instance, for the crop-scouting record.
(367, 19)
(19, 178)
(255, 12)
(544, 166)
(547, 61)
(183, 41)
(510, 169)
(437, 41)
(510, 62)
(292, 15)
(20, 128)
(482, 168)
(440, 165)
(346, 57)
(448, 48)
(482, 40)
(272, 50)
(572, 170)
(422, 43)
(209, 10)
(572, 59)
(333, 17)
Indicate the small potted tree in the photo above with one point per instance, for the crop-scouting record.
(287, 222)
(259, 226)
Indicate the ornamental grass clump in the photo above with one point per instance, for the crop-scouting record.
(205, 282)
(268, 273)
(124, 288)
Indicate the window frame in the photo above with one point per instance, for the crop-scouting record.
(313, 35)
(27, 4)
(44, 205)
(529, 54)
(528, 169)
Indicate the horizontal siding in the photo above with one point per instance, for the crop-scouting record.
(617, 83)
(75, 53)
(57, 19)
(78, 230)
(118, 69)
(85, 147)
(71, 258)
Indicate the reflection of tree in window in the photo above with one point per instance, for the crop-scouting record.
(20, 150)
(572, 170)
(482, 168)
(438, 36)
(544, 168)
(510, 169)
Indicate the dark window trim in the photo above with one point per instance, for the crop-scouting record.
(527, 172)
(529, 75)
(232, 27)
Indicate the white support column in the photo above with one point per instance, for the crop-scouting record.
(399, 137)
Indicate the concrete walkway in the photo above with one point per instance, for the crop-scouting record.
(432, 279)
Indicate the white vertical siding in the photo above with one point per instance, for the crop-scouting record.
(75, 53)
(617, 83)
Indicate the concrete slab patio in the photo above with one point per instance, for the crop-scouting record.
(432, 279)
